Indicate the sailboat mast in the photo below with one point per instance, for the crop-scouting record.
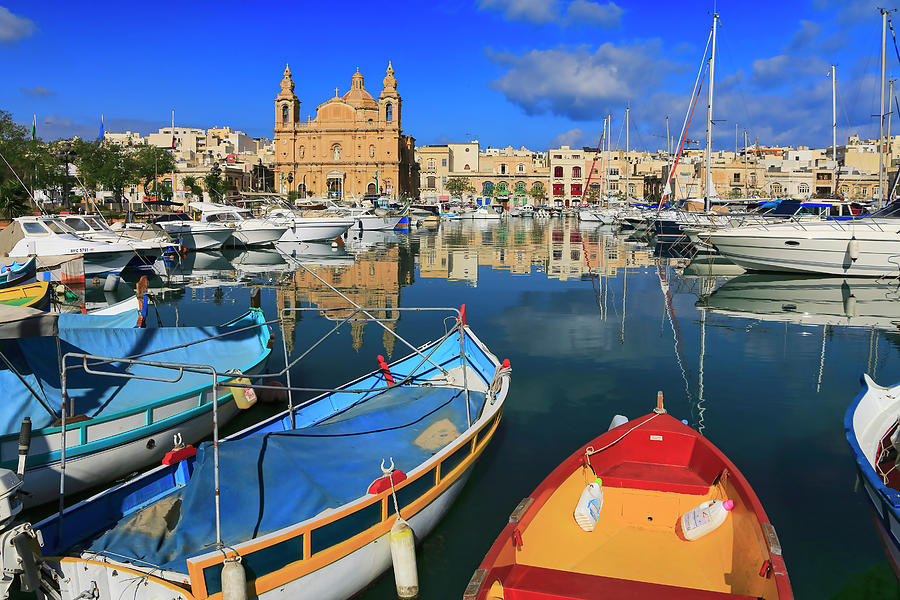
(668, 139)
(746, 181)
(627, 148)
(834, 166)
(707, 203)
(173, 155)
(887, 142)
(884, 15)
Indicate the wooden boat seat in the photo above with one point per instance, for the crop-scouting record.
(663, 478)
(522, 582)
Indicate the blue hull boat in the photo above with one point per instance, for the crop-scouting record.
(17, 273)
(308, 497)
(115, 425)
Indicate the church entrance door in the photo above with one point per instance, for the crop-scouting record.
(335, 186)
(370, 190)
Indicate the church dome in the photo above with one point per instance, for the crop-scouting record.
(358, 97)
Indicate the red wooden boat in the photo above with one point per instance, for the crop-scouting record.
(654, 469)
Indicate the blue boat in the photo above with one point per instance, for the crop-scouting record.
(113, 425)
(17, 273)
(308, 498)
(871, 427)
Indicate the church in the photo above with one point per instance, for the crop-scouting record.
(354, 145)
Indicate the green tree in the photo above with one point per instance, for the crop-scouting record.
(193, 184)
(149, 163)
(106, 166)
(216, 186)
(28, 166)
(457, 186)
(593, 194)
(537, 193)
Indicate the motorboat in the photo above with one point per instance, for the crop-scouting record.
(46, 236)
(589, 215)
(486, 214)
(308, 229)
(870, 426)
(245, 230)
(94, 227)
(868, 246)
(191, 234)
(308, 498)
(650, 471)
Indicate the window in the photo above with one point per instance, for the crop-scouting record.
(502, 189)
(776, 188)
(371, 151)
(284, 113)
(503, 169)
(336, 151)
(520, 168)
(389, 112)
(614, 185)
(77, 224)
(430, 164)
(737, 177)
(576, 172)
(34, 228)
(431, 182)
(302, 151)
(557, 171)
(576, 189)
(559, 189)
(576, 156)
(803, 188)
(487, 188)
(613, 172)
(520, 188)
(631, 189)
(443, 162)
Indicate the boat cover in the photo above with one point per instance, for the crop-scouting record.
(128, 318)
(35, 359)
(274, 480)
(21, 321)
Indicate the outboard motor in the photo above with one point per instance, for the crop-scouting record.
(18, 543)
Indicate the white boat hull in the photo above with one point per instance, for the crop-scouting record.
(310, 232)
(257, 236)
(211, 239)
(105, 263)
(374, 223)
(822, 248)
(345, 577)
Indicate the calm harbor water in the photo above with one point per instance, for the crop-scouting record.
(594, 325)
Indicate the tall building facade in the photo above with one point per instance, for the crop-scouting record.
(353, 146)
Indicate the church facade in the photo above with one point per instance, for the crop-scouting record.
(352, 147)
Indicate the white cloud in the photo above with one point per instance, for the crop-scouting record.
(13, 27)
(38, 91)
(581, 84)
(541, 12)
(572, 138)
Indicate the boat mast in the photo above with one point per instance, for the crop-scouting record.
(746, 182)
(834, 166)
(668, 139)
(628, 164)
(884, 14)
(707, 204)
(887, 142)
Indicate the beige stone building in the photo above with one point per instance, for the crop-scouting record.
(353, 146)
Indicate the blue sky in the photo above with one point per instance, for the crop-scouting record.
(522, 72)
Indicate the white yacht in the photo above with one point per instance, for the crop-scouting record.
(485, 213)
(93, 227)
(245, 230)
(868, 246)
(307, 229)
(44, 236)
(192, 234)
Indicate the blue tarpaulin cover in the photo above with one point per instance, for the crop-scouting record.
(274, 480)
(96, 395)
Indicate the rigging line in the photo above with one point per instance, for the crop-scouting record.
(894, 37)
(681, 144)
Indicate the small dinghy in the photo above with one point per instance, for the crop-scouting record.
(314, 502)
(17, 273)
(653, 471)
(871, 427)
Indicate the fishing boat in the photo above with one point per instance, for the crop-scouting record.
(309, 497)
(17, 273)
(47, 236)
(870, 425)
(31, 295)
(114, 425)
(654, 469)
(94, 227)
